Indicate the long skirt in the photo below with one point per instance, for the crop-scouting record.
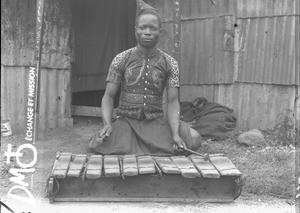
(132, 136)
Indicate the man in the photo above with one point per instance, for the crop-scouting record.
(143, 72)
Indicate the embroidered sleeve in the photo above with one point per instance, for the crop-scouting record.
(117, 67)
(173, 79)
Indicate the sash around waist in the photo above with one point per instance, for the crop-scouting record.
(140, 99)
(140, 106)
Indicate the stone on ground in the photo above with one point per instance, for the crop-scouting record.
(253, 137)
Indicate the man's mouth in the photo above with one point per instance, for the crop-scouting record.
(147, 39)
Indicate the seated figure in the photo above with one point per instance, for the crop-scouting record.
(143, 73)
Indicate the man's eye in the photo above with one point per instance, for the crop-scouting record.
(142, 27)
(153, 28)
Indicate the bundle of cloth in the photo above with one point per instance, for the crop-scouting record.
(211, 120)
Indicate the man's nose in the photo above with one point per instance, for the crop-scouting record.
(148, 31)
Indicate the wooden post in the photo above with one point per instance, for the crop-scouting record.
(177, 32)
(38, 52)
(33, 82)
(297, 152)
(177, 29)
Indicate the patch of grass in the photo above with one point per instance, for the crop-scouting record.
(284, 131)
(266, 170)
(270, 172)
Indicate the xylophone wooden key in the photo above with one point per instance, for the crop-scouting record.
(94, 167)
(76, 166)
(130, 167)
(224, 165)
(167, 165)
(62, 165)
(146, 165)
(111, 166)
(185, 166)
(206, 169)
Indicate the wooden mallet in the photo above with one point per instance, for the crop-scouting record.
(205, 156)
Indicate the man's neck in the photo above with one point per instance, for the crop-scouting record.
(147, 52)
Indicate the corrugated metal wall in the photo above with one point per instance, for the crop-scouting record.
(203, 30)
(18, 18)
(18, 33)
(265, 8)
(54, 99)
(203, 27)
(267, 55)
(204, 61)
(251, 67)
(267, 35)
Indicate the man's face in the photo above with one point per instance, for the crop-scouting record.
(147, 31)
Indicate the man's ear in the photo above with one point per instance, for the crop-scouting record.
(160, 31)
(135, 33)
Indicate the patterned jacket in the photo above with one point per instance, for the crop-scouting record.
(142, 81)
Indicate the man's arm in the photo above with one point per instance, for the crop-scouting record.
(173, 115)
(107, 107)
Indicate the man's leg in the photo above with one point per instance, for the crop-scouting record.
(196, 139)
(190, 136)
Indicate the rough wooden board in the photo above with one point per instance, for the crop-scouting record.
(146, 165)
(130, 167)
(185, 166)
(55, 161)
(216, 155)
(62, 165)
(94, 167)
(76, 166)
(206, 169)
(231, 172)
(222, 163)
(167, 165)
(111, 166)
(225, 166)
(210, 173)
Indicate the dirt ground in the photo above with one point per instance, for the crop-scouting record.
(74, 140)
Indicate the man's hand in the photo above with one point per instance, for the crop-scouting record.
(105, 131)
(99, 138)
(178, 142)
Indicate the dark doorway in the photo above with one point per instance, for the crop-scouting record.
(101, 29)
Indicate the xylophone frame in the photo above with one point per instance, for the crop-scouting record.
(148, 188)
(156, 187)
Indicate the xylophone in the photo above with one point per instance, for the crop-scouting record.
(81, 177)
